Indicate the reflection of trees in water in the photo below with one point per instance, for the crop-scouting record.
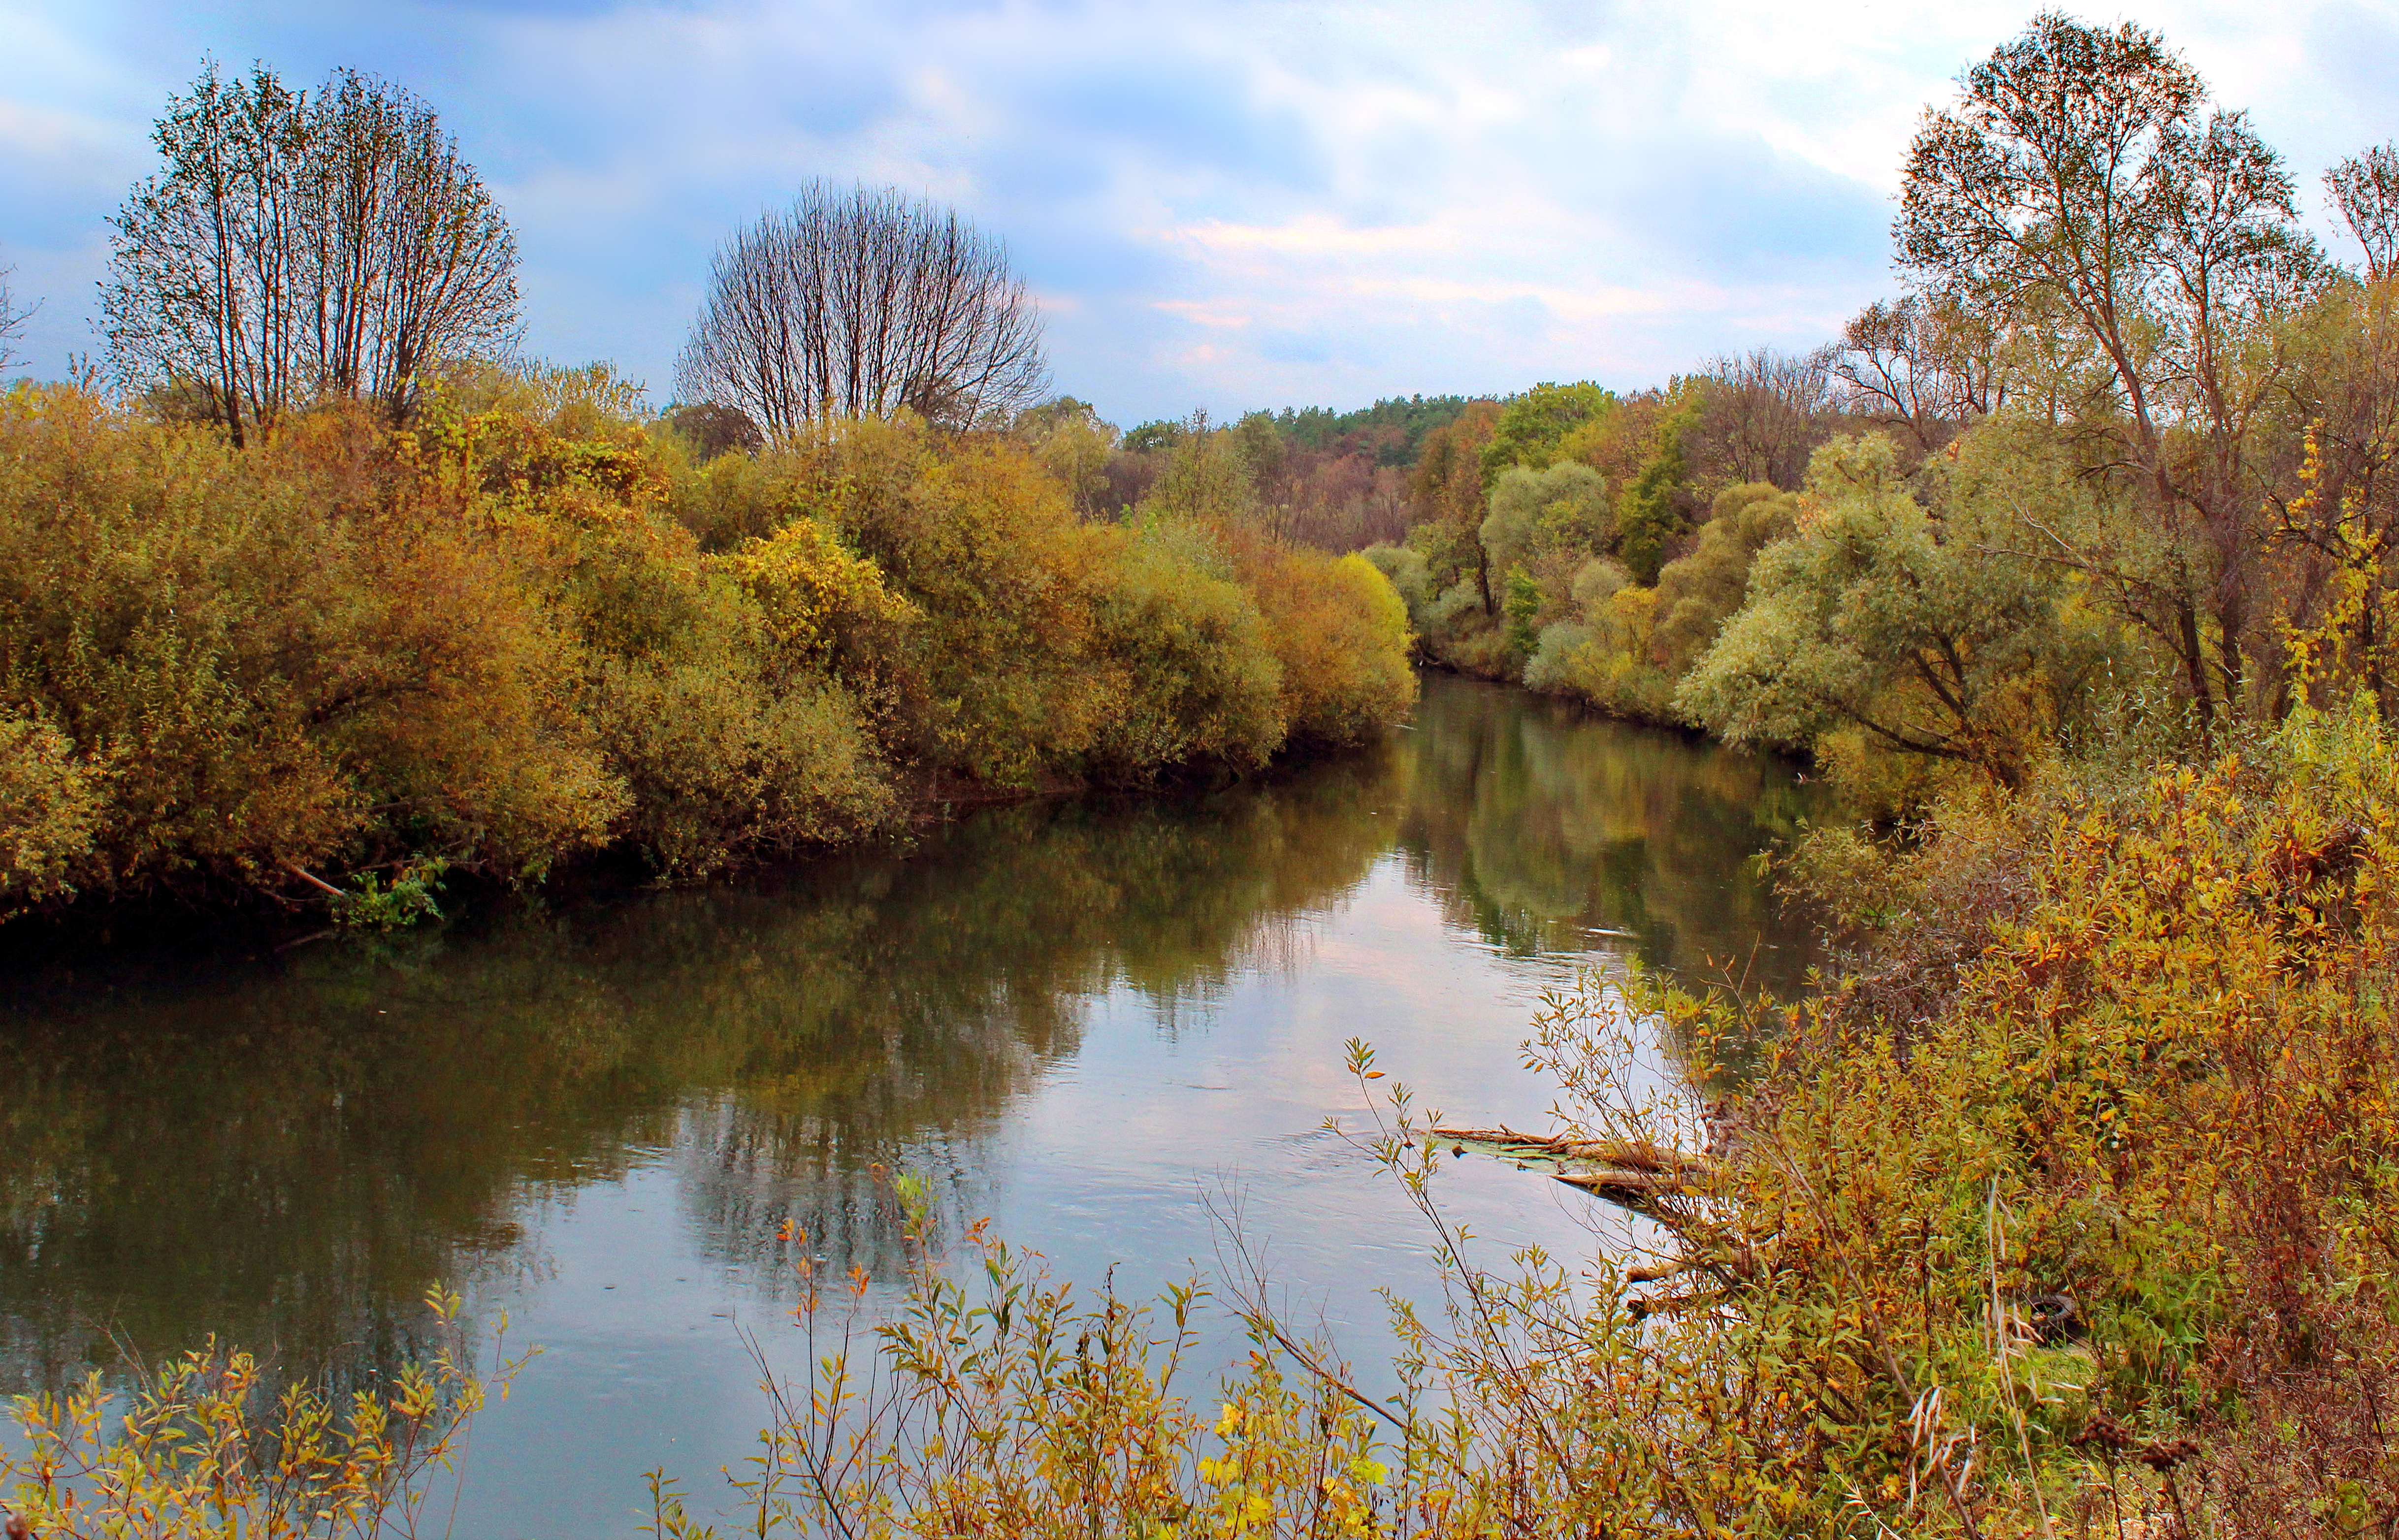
(286, 1152)
(1535, 822)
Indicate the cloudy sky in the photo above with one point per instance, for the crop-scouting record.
(1225, 205)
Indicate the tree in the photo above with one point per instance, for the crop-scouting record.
(1763, 412)
(1531, 425)
(294, 249)
(1877, 615)
(2366, 190)
(1074, 444)
(410, 262)
(864, 303)
(2341, 524)
(12, 321)
(1922, 365)
(1540, 515)
(2080, 192)
(1445, 494)
(1650, 512)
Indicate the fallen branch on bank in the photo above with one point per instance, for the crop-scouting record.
(1717, 1256)
(1633, 1172)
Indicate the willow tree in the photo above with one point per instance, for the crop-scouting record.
(862, 302)
(1878, 616)
(294, 248)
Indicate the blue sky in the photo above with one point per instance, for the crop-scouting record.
(1220, 205)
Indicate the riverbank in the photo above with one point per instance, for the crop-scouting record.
(321, 672)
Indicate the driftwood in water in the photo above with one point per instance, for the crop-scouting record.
(1637, 1173)
(1633, 1172)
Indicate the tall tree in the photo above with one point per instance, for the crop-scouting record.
(2079, 191)
(410, 262)
(290, 250)
(861, 302)
(1446, 497)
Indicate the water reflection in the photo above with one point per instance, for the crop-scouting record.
(1542, 828)
(287, 1151)
(1062, 1012)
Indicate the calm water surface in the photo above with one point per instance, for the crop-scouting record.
(1099, 1023)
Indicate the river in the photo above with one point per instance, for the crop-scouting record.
(1104, 1023)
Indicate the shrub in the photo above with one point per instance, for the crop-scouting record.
(1340, 633)
(532, 625)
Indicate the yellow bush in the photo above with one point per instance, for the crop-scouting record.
(48, 803)
(1199, 682)
(822, 605)
(1340, 631)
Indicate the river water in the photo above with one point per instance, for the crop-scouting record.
(1105, 1024)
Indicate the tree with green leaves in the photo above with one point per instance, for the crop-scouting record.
(1446, 497)
(1650, 513)
(2145, 251)
(1875, 614)
(1531, 425)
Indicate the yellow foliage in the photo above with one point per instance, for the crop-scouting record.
(812, 593)
(499, 638)
(1340, 631)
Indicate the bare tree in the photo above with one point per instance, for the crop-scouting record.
(290, 250)
(1764, 413)
(2366, 190)
(412, 263)
(12, 322)
(1926, 367)
(862, 302)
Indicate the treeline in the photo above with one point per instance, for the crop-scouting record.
(535, 624)
(2062, 486)
(1336, 481)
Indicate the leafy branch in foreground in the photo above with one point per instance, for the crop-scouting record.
(205, 1448)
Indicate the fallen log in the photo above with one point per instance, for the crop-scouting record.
(1628, 1154)
(1630, 1186)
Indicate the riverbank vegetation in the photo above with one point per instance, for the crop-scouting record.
(318, 602)
(534, 625)
(2064, 1203)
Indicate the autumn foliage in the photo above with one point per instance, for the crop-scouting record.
(534, 625)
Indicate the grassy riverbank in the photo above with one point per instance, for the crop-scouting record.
(537, 625)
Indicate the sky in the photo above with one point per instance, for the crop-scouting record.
(1220, 205)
